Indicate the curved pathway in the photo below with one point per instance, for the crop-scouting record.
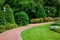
(14, 34)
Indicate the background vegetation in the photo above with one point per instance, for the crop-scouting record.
(20, 12)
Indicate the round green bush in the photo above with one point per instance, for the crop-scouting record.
(21, 18)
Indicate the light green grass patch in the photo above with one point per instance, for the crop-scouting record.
(40, 33)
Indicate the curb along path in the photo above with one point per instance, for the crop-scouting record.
(14, 34)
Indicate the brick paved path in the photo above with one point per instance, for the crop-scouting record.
(14, 34)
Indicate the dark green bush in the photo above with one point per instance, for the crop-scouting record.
(21, 18)
(58, 7)
(1, 17)
(40, 11)
(50, 2)
(52, 11)
(13, 3)
(9, 14)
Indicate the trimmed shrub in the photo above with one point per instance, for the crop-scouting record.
(51, 19)
(7, 27)
(1, 18)
(10, 26)
(46, 19)
(21, 18)
(57, 18)
(38, 20)
(35, 21)
(2, 28)
(41, 20)
(9, 14)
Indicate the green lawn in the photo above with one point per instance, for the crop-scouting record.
(40, 33)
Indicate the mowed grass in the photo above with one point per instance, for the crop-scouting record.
(40, 33)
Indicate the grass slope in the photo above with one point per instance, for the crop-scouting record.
(40, 33)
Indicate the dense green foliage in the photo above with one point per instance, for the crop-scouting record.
(31, 7)
(1, 3)
(21, 18)
(34, 8)
(52, 11)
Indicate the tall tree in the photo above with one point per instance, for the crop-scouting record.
(9, 14)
